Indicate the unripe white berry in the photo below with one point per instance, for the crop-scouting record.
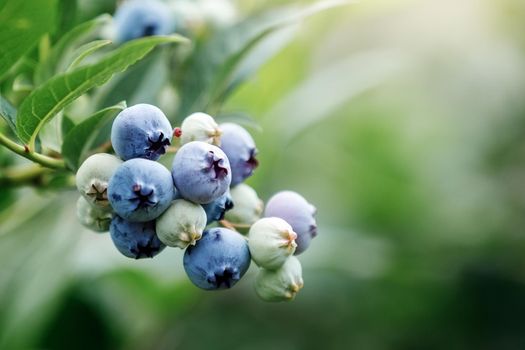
(200, 127)
(181, 224)
(247, 206)
(92, 217)
(282, 284)
(93, 176)
(271, 242)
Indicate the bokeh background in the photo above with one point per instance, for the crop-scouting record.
(403, 121)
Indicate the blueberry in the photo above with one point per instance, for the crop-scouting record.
(93, 176)
(201, 172)
(92, 217)
(200, 127)
(240, 148)
(282, 284)
(135, 239)
(216, 209)
(135, 19)
(141, 131)
(140, 190)
(218, 260)
(248, 206)
(300, 214)
(271, 242)
(181, 224)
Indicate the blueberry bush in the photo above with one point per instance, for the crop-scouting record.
(165, 166)
(91, 96)
(65, 122)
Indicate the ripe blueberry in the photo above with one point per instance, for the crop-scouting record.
(271, 242)
(218, 260)
(282, 284)
(201, 172)
(181, 224)
(135, 239)
(216, 209)
(240, 148)
(140, 190)
(141, 131)
(295, 210)
(136, 18)
(93, 176)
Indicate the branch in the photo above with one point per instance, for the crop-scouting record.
(25, 152)
(19, 176)
(233, 226)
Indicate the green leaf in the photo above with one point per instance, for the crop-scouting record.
(8, 112)
(50, 98)
(67, 15)
(79, 140)
(63, 48)
(86, 50)
(139, 84)
(66, 124)
(22, 23)
(209, 74)
(367, 69)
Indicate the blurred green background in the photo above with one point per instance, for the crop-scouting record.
(404, 123)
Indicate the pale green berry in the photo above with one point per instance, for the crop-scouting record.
(271, 242)
(282, 284)
(200, 127)
(247, 206)
(94, 218)
(181, 224)
(93, 176)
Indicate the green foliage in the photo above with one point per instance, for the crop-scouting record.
(79, 140)
(8, 112)
(413, 156)
(53, 62)
(212, 71)
(22, 24)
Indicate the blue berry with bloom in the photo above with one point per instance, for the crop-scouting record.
(139, 18)
(141, 131)
(140, 190)
(201, 172)
(215, 210)
(218, 260)
(135, 240)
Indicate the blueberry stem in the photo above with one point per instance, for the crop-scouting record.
(25, 152)
(32, 175)
(233, 226)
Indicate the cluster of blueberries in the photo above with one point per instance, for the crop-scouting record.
(146, 207)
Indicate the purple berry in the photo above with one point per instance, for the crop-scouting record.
(218, 260)
(141, 131)
(135, 239)
(140, 190)
(296, 211)
(201, 172)
(240, 148)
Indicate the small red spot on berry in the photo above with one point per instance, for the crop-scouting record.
(177, 132)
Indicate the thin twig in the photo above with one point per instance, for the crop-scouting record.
(25, 152)
(24, 175)
(234, 226)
